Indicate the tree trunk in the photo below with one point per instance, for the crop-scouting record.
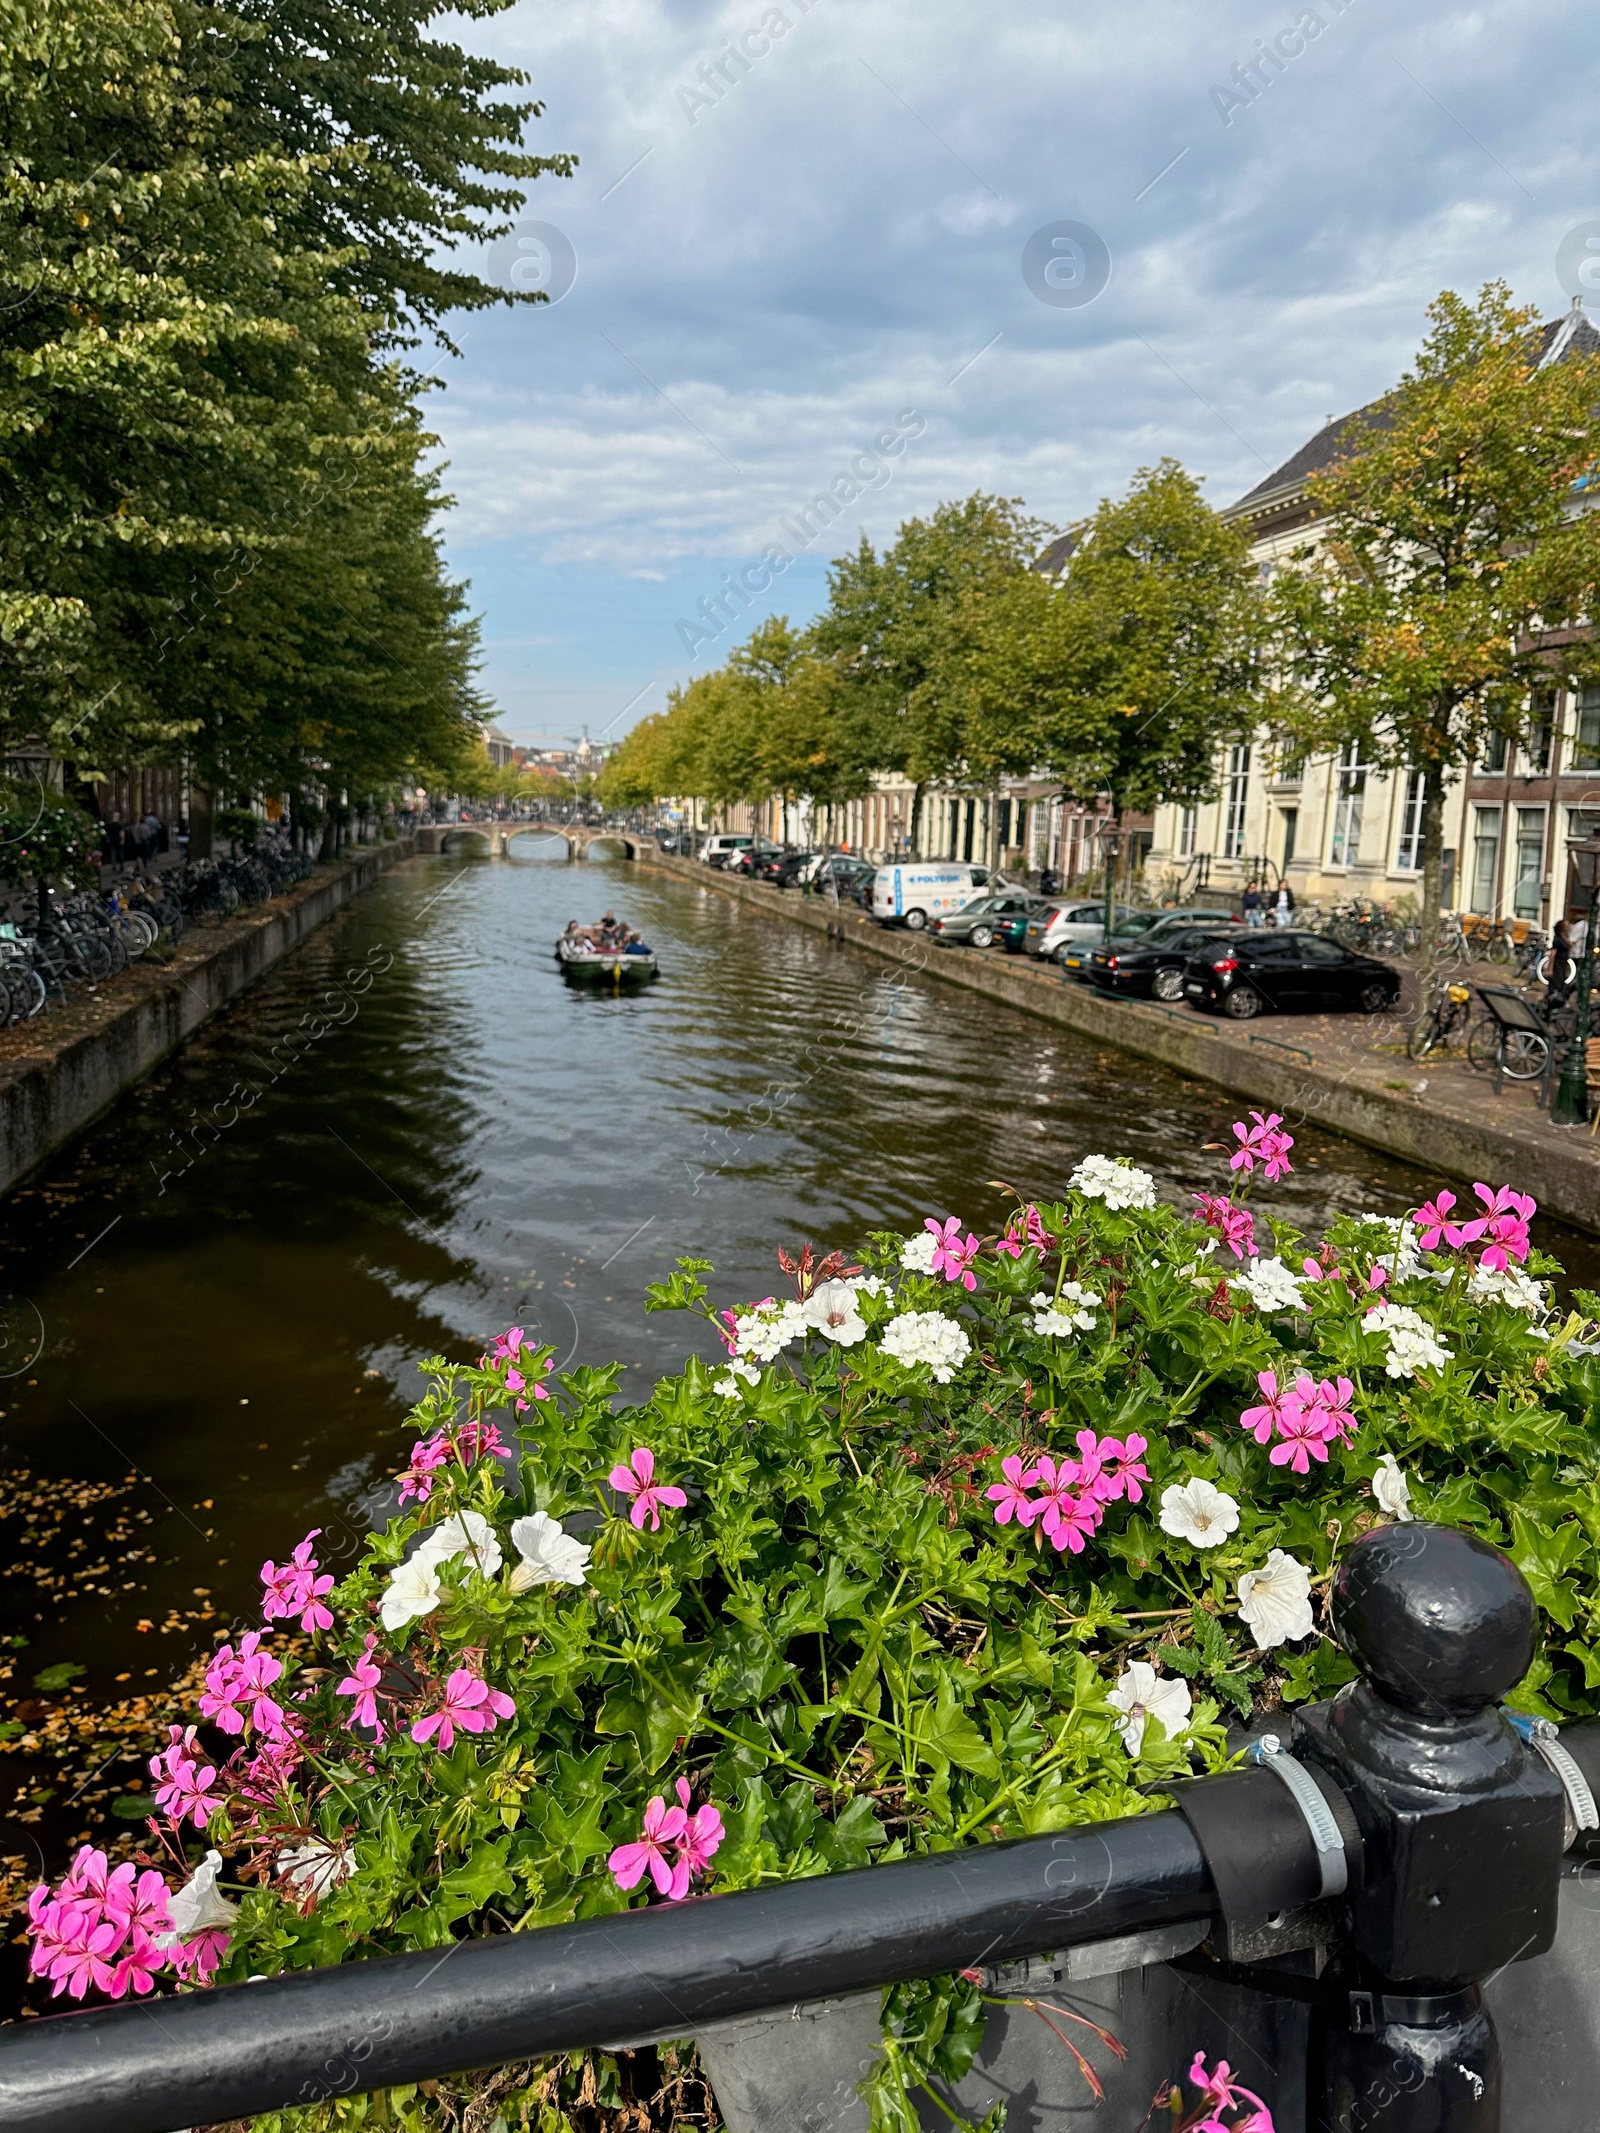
(1432, 884)
(914, 835)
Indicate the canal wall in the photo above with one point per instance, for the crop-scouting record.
(1447, 1123)
(60, 1071)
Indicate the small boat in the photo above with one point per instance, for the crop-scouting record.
(584, 964)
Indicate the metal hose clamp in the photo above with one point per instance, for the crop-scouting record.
(1545, 1741)
(1270, 1753)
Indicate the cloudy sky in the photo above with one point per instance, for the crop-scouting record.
(1039, 248)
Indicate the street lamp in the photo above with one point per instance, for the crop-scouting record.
(1109, 833)
(1571, 1107)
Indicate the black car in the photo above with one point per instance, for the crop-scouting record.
(780, 869)
(1153, 968)
(1254, 970)
(1139, 929)
(851, 877)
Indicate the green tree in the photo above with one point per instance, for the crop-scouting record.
(1452, 557)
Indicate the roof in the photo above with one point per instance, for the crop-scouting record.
(1286, 484)
(1052, 561)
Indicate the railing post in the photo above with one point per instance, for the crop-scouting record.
(1462, 1833)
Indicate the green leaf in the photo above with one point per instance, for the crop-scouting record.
(951, 1733)
(59, 1675)
(133, 1806)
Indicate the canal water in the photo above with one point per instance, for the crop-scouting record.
(217, 1298)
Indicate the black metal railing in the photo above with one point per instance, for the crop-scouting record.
(1410, 1817)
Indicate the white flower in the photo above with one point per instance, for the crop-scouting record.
(1141, 1693)
(927, 1337)
(466, 1533)
(916, 1254)
(198, 1907)
(728, 1383)
(316, 1867)
(1392, 1490)
(1403, 1259)
(1271, 1286)
(871, 1284)
(764, 1333)
(1059, 1316)
(550, 1555)
(413, 1590)
(1198, 1511)
(833, 1310)
(1413, 1344)
(1275, 1601)
(1508, 1285)
(1119, 1184)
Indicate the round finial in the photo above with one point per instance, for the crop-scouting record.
(1438, 1620)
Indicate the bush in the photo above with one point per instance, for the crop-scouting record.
(971, 1539)
(44, 835)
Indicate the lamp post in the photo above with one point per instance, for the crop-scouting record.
(1110, 836)
(1571, 1106)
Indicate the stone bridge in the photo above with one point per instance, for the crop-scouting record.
(496, 838)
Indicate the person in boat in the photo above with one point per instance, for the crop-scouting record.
(635, 946)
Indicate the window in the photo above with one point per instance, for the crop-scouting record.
(1236, 797)
(1316, 950)
(1485, 860)
(1291, 768)
(1529, 879)
(1188, 827)
(1350, 788)
(1291, 831)
(1495, 754)
(1586, 754)
(1408, 856)
(1541, 722)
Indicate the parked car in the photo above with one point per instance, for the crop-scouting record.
(781, 870)
(842, 871)
(748, 856)
(716, 850)
(1241, 976)
(1153, 968)
(1077, 924)
(918, 890)
(1141, 930)
(980, 924)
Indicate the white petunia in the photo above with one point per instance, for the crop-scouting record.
(1119, 1184)
(766, 1332)
(1073, 1309)
(916, 1254)
(1507, 1285)
(317, 1867)
(1141, 1694)
(1391, 1490)
(413, 1590)
(833, 1310)
(1275, 1601)
(199, 1907)
(728, 1383)
(466, 1533)
(1271, 1286)
(1199, 1512)
(550, 1555)
(927, 1337)
(1413, 1344)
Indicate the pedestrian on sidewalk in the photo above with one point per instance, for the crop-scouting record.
(115, 833)
(1250, 903)
(1283, 909)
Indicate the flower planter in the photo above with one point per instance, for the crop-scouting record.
(795, 2069)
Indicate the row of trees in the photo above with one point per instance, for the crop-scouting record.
(1452, 574)
(221, 235)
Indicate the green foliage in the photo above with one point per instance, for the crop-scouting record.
(836, 1642)
(45, 836)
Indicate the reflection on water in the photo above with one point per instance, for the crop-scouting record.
(463, 1142)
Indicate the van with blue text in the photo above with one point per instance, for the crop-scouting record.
(922, 889)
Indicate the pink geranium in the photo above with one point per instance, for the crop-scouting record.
(507, 1349)
(295, 1589)
(235, 1693)
(184, 1789)
(1023, 1230)
(469, 1705)
(1263, 1420)
(650, 1497)
(1236, 1226)
(1221, 2091)
(1434, 1226)
(1306, 1417)
(698, 1845)
(1505, 1224)
(102, 1930)
(629, 1863)
(1123, 1469)
(953, 1254)
(427, 1457)
(1265, 1142)
(362, 1683)
(1304, 1438)
(1010, 1497)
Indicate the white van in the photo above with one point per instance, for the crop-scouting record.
(718, 850)
(911, 894)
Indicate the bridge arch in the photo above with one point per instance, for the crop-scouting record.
(523, 832)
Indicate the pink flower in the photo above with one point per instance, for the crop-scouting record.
(100, 1929)
(953, 1254)
(1222, 2091)
(1507, 1215)
(1236, 1226)
(1304, 1438)
(481, 1440)
(1010, 1497)
(362, 1683)
(1262, 1421)
(427, 1457)
(508, 1349)
(1057, 1478)
(1086, 1467)
(650, 1497)
(1124, 1469)
(663, 1825)
(184, 1793)
(198, 1958)
(1332, 1403)
(269, 1771)
(1071, 1520)
(702, 1834)
(1265, 1143)
(235, 1693)
(295, 1589)
(1435, 1227)
(470, 1703)
(1032, 1231)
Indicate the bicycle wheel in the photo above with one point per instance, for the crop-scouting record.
(1425, 1036)
(1526, 1053)
(1500, 949)
(1483, 1044)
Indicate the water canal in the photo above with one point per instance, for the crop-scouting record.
(467, 1145)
